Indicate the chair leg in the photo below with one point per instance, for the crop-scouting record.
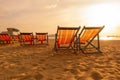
(97, 48)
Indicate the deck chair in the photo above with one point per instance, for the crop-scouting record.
(65, 37)
(86, 37)
(42, 38)
(16, 37)
(5, 38)
(26, 38)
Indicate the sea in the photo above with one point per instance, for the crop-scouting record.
(110, 38)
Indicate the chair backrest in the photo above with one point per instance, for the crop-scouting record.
(5, 37)
(65, 35)
(89, 33)
(26, 36)
(41, 36)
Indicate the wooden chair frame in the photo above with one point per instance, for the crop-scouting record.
(90, 40)
(43, 40)
(72, 40)
(22, 41)
(5, 38)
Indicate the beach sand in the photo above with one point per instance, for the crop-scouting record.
(35, 62)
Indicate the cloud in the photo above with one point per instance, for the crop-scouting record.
(17, 8)
(52, 4)
(13, 8)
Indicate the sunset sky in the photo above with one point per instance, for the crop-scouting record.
(45, 15)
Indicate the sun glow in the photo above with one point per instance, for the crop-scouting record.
(103, 14)
(106, 38)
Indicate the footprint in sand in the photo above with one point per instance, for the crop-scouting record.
(96, 75)
(80, 77)
(38, 76)
(73, 71)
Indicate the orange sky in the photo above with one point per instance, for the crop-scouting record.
(45, 15)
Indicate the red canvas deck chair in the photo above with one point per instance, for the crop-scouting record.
(5, 38)
(42, 38)
(26, 38)
(86, 37)
(16, 37)
(65, 37)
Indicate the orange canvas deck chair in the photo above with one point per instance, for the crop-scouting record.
(42, 38)
(86, 37)
(5, 38)
(65, 37)
(26, 38)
